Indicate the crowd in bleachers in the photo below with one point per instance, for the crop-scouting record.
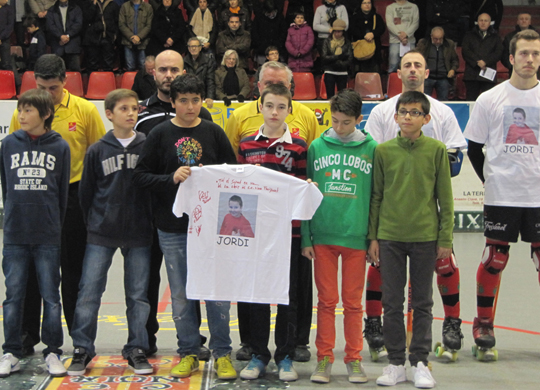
(332, 39)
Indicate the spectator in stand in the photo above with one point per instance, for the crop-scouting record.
(234, 38)
(192, 5)
(299, 44)
(270, 29)
(235, 8)
(203, 26)
(40, 8)
(367, 24)
(272, 54)
(144, 84)
(402, 20)
(442, 62)
(482, 49)
(337, 58)
(325, 16)
(38, 44)
(303, 6)
(494, 8)
(100, 32)
(203, 66)
(168, 29)
(232, 82)
(7, 21)
(445, 14)
(523, 23)
(135, 24)
(64, 30)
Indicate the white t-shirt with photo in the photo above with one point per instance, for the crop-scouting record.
(507, 121)
(239, 235)
(443, 125)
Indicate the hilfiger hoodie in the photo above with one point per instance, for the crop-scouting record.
(343, 171)
(35, 182)
(117, 214)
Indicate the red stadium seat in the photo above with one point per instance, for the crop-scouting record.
(28, 82)
(394, 85)
(74, 83)
(322, 89)
(127, 80)
(461, 90)
(304, 86)
(100, 84)
(369, 86)
(461, 67)
(7, 85)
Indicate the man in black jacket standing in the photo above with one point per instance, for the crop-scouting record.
(203, 66)
(64, 25)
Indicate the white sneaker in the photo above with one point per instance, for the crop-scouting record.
(392, 375)
(55, 365)
(8, 364)
(422, 377)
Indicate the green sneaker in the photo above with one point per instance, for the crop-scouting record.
(322, 372)
(224, 368)
(356, 372)
(187, 366)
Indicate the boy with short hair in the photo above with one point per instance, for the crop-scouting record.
(234, 223)
(34, 170)
(117, 215)
(38, 43)
(168, 153)
(274, 147)
(346, 186)
(412, 170)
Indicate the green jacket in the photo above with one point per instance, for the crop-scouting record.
(144, 23)
(343, 172)
(412, 193)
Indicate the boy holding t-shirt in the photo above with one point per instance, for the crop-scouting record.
(170, 149)
(410, 170)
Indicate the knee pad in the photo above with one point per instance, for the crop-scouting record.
(446, 267)
(495, 257)
(535, 255)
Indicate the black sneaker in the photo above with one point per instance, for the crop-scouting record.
(79, 362)
(204, 354)
(138, 363)
(244, 353)
(301, 353)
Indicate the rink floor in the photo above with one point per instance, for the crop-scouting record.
(517, 332)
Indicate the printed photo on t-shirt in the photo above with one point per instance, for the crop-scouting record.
(237, 214)
(521, 125)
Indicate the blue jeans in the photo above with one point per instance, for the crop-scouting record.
(132, 55)
(17, 260)
(96, 264)
(173, 246)
(393, 56)
(442, 87)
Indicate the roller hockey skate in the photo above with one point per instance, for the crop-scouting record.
(484, 339)
(452, 340)
(374, 338)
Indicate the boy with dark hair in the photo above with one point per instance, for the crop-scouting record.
(34, 171)
(169, 151)
(274, 147)
(38, 43)
(117, 215)
(234, 223)
(411, 169)
(346, 185)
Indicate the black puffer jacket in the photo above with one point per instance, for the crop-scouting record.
(476, 47)
(336, 63)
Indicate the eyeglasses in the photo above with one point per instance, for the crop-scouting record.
(193, 46)
(413, 113)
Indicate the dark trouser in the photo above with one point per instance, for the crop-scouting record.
(101, 56)
(442, 86)
(475, 87)
(285, 330)
(152, 325)
(330, 82)
(304, 310)
(32, 311)
(73, 63)
(367, 66)
(5, 55)
(423, 256)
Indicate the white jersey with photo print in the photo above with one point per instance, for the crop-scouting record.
(511, 170)
(443, 125)
(236, 267)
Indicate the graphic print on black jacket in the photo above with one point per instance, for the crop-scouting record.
(35, 182)
(117, 214)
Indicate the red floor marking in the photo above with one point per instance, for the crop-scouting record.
(499, 327)
(165, 300)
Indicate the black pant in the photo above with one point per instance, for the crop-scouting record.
(475, 87)
(293, 319)
(101, 56)
(330, 82)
